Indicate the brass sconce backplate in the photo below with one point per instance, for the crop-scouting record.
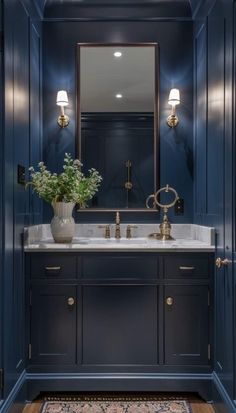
(63, 121)
(172, 121)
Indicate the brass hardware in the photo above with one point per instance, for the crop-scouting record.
(30, 351)
(117, 229)
(1, 379)
(166, 188)
(165, 226)
(107, 234)
(71, 301)
(209, 351)
(172, 121)
(128, 183)
(147, 201)
(128, 230)
(222, 262)
(63, 121)
(186, 268)
(169, 301)
(53, 268)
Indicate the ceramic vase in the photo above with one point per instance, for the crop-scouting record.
(63, 224)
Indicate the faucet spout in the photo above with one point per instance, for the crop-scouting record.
(117, 230)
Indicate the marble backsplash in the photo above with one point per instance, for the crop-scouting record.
(204, 234)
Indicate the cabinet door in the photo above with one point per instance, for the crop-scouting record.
(120, 325)
(186, 331)
(53, 324)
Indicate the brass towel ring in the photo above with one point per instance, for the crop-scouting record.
(165, 226)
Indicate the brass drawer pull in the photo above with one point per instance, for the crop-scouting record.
(71, 301)
(182, 268)
(169, 301)
(52, 268)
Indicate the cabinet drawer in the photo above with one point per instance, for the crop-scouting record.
(119, 266)
(186, 266)
(47, 265)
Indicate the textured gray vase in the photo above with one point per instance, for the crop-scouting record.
(63, 224)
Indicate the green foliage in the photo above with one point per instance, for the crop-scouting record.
(69, 186)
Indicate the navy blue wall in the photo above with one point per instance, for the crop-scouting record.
(176, 70)
(1, 187)
(21, 145)
(214, 156)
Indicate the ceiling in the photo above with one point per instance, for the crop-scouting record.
(181, 7)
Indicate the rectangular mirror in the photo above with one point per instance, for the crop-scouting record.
(118, 127)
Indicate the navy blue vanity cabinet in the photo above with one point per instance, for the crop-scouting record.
(187, 316)
(52, 298)
(123, 322)
(120, 310)
(144, 315)
(186, 338)
(53, 324)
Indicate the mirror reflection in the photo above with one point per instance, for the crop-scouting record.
(117, 122)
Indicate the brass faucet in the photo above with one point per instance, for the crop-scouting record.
(128, 231)
(117, 229)
(107, 233)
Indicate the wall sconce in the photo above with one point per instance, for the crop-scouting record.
(174, 99)
(62, 101)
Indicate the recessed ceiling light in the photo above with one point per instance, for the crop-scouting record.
(117, 54)
(119, 96)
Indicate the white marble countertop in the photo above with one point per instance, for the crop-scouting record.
(188, 237)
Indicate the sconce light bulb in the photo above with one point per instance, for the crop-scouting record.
(119, 96)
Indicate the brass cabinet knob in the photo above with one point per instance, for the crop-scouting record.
(71, 301)
(107, 233)
(222, 262)
(169, 301)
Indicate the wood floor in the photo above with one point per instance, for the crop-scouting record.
(196, 403)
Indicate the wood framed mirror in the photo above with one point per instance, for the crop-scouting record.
(118, 122)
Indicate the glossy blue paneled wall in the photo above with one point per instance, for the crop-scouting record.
(176, 70)
(20, 144)
(214, 41)
(1, 188)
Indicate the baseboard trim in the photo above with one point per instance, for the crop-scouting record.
(13, 402)
(222, 403)
(205, 384)
(52, 382)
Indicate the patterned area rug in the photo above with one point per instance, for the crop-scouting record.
(117, 406)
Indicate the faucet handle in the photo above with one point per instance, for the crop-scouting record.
(117, 217)
(107, 228)
(128, 230)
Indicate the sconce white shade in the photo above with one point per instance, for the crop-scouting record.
(174, 97)
(62, 98)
